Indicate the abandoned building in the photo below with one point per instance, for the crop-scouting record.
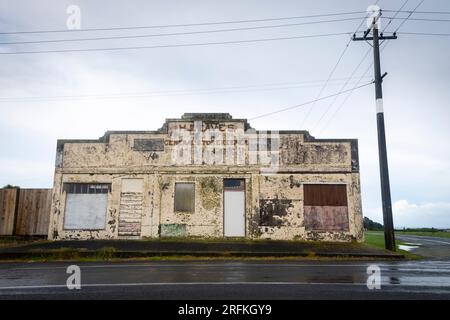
(207, 175)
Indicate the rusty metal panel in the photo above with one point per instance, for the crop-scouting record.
(272, 211)
(33, 212)
(325, 194)
(326, 218)
(8, 198)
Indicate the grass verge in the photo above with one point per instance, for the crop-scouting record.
(375, 239)
(438, 234)
(15, 241)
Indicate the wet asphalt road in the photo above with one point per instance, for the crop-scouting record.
(186, 280)
(429, 247)
(227, 280)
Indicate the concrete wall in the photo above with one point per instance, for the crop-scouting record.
(140, 165)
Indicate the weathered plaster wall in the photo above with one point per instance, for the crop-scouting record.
(281, 197)
(274, 203)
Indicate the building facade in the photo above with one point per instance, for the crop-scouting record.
(207, 176)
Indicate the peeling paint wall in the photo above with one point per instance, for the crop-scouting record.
(139, 167)
(173, 230)
(273, 212)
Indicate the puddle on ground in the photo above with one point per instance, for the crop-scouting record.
(408, 246)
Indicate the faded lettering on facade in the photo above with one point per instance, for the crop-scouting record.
(281, 175)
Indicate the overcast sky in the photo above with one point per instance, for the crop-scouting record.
(88, 93)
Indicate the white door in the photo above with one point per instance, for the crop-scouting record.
(234, 208)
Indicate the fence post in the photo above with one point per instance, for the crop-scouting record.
(16, 210)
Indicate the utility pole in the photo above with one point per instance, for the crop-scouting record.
(374, 25)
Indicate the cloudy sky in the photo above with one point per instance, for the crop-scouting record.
(46, 96)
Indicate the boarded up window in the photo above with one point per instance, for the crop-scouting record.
(86, 206)
(326, 207)
(148, 144)
(131, 199)
(184, 197)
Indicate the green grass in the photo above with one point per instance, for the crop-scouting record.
(72, 254)
(376, 239)
(440, 234)
(310, 257)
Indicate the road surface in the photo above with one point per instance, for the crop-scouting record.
(425, 279)
(227, 280)
(430, 247)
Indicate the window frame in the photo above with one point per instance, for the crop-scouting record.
(175, 196)
(77, 188)
(85, 187)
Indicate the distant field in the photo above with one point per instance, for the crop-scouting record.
(439, 234)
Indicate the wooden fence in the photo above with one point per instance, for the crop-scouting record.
(24, 212)
(8, 203)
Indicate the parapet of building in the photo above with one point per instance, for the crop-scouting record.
(209, 176)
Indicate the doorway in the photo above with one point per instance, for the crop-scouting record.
(234, 207)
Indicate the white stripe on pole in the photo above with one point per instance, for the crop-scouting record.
(379, 105)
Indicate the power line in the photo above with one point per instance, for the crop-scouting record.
(230, 89)
(177, 33)
(178, 45)
(343, 86)
(352, 74)
(420, 19)
(350, 93)
(184, 25)
(411, 19)
(395, 15)
(306, 103)
(209, 31)
(330, 75)
(347, 45)
(420, 12)
(409, 16)
(382, 49)
(326, 83)
(345, 100)
(426, 34)
(363, 75)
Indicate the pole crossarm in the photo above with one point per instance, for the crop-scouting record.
(381, 37)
